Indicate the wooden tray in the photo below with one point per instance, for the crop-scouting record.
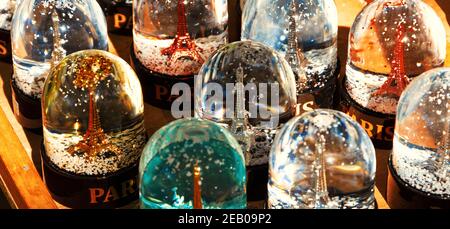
(19, 148)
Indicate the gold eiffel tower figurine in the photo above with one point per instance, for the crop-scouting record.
(197, 188)
(89, 72)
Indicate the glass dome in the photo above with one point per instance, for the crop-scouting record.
(322, 159)
(254, 93)
(422, 142)
(176, 37)
(392, 41)
(41, 27)
(304, 31)
(7, 8)
(192, 163)
(81, 135)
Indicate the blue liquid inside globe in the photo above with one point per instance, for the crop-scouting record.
(167, 178)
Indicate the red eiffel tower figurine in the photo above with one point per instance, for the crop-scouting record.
(182, 46)
(397, 79)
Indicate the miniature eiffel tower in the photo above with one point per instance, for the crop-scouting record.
(397, 79)
(58, 51)
(239, 125)
(88, 74)
(444, 151)
(321, 199)
(197, 188)
(294, 55)
(182, 46)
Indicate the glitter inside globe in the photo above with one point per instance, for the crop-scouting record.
(44, 31)
(304, 31)
(392, 41)
(192, 164)
(93, 114)
(322, 159)
(176, 37)
(7, 8)
(421, 154)
(250, 89)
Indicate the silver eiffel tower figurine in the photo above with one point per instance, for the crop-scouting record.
(321, 198)
(444, 152)
(294, 55)
(240, 125)
(58, 51)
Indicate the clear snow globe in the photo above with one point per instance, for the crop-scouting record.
(322, 159)
(44, 31)
(304, 31)
(392, 41)
(192, 164)
(93, 114)
(7, 8)
(248, 88)
(421, 154)
(175, 38)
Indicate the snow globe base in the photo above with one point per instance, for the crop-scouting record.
(400, 195)
(157, 87)
(117, 190)
(27, 109)
(119, 16)
(5, 46)
(379, 126)
(322, 97)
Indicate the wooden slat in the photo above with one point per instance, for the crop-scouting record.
(19, 178)
(381, 202)
(111, 47)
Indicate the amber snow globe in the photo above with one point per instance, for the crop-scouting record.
(322, 159)
(7, 8)
(93, 131)
(305, 33)
(248, 88)
(192, 164)
(43, 32)
(390, 43)
(420, 163)
(172, 40)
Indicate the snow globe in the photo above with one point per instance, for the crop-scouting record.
(172, 40)
(390, 43)
(90, 157)
(43, 32)
(305, 33)
(420, 163)
(119, 15)
(249, 89)
(192, 164)
(322, 159)
(7, 8)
